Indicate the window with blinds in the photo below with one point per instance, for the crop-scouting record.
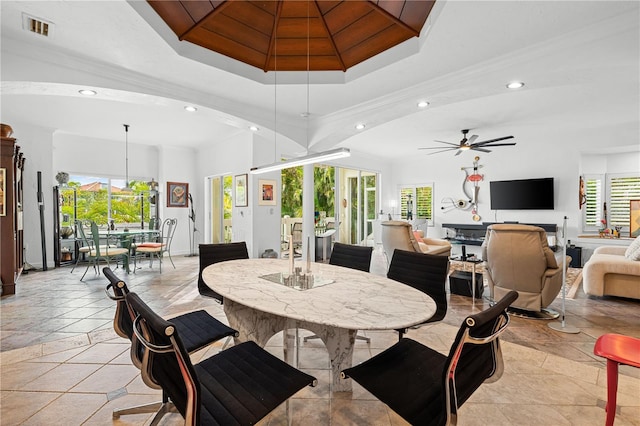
(612, 192)
(621, 189)
(421, 204)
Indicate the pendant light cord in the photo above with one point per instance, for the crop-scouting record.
(126, 155)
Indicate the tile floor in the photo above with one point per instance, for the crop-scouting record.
(61, 363)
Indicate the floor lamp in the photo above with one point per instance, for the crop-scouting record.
(562, 326)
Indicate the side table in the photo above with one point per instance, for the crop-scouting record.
(473, 260)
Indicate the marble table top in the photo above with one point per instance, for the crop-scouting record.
(355, 300)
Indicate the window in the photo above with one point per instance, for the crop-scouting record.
(418, 200)
(608, 197)
(102, 200)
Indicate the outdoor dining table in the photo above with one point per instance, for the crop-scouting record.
(261, 299)
(131, 234)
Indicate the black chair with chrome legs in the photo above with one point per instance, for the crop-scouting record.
(424, 272)
(239, 385)
(426, 387)
(214, 253)
(198, 328)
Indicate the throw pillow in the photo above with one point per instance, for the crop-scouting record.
(633, 251)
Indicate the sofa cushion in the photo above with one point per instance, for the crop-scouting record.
(633, 251)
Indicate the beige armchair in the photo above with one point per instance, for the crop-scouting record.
(517, 257)
(397, 234)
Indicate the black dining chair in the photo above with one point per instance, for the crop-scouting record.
(214, 253)
(424, 272)
(198, 328)
(238, 386)
(354, 257)
(351, 256)
(426, 387)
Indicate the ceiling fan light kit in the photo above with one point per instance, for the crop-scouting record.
(470, 144)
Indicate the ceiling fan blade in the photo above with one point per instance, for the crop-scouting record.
(448, 143)
(472, 139)
(492, 140)
(459, 152)
(439, 147)
(499, 144)
(475, 148)
(442, 150)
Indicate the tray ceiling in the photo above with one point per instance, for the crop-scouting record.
(279, 35)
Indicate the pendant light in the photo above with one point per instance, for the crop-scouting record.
(309, 158)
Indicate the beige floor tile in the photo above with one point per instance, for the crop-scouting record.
(101, 353)
(69, 409)
(14, 376)
(16, 406)
(61, 378)
(107, 379)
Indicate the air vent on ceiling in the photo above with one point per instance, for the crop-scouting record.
(37, 25)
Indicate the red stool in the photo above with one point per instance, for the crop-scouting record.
(617, 349)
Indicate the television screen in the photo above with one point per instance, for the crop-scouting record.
(524, 194)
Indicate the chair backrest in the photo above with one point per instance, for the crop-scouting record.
(166, 233)
(510, 249)
(214, 253)
(167, 361)
(122, 320)
(80, 233)
(296, 232)
(397, 235)
(475, 356)
(95, 238)
(351, 256)
(424, 272)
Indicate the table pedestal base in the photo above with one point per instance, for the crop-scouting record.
(260, 326)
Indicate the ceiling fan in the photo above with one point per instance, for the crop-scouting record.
(469, 144)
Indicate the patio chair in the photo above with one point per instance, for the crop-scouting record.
(163, 245)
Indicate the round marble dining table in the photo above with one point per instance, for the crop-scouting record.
(341, 302)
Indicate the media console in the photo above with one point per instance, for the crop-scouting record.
(473, 234)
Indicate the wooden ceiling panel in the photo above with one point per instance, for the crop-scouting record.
(228, 47)
(198, 10)
(230, 29)
(299, 28)
(345, 14)
(247, 13)
(290, 47)
(299, 63)
(360, 30)
(333, 34)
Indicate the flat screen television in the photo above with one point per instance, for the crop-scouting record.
(523, 194)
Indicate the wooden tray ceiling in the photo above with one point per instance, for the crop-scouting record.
(296, 35)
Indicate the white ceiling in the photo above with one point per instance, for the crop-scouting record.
(579, 60)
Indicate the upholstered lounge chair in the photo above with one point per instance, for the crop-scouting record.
(518, 257)
(397, 234)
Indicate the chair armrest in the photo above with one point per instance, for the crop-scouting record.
(617, 250)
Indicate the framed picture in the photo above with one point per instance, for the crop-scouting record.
(634, 215)
(241, 191)
(3, 192)
(177, 194)
(267, 195)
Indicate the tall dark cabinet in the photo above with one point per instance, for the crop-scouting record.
(11, 205)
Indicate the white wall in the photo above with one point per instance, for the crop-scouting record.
(540, 152)
(36, 144)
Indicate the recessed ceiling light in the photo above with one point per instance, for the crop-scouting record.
(423, 104)
(190, 108)
(515, 85)
(87, 92)
(254, 128)
(360, 126)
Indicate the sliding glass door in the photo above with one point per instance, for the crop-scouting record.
(220, 219)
